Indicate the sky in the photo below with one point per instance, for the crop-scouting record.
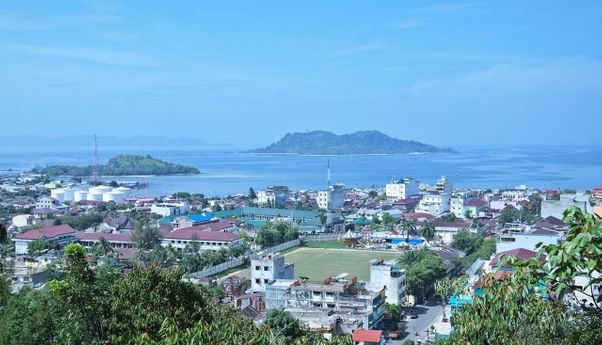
(247, 72)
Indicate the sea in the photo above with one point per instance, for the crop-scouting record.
(227, 172)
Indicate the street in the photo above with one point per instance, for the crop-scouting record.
(428, 313)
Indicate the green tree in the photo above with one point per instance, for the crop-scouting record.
(37, 247)
(252, 194)
(372, 194)
(284, 324)
(388, 219)
(423, 269)
(145, 236)
(466, 241)
(468, 214)
(427, 230)
(409, 227)
(508, 215)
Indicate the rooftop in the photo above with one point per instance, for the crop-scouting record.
(367, 335)
(45, 233)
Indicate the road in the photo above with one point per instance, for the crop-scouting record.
(428, 313)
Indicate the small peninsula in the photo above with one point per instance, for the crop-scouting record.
(361, 142)
(121, 165)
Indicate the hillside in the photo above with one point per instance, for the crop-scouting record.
(361, 142)
(122, 165)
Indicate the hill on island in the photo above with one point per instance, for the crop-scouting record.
(120, 166)
(361, 142)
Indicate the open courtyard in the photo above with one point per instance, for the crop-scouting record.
(319, 263)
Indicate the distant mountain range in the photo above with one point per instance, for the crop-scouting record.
(361, 142)
(88, 141)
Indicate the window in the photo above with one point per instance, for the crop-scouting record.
(257, 268)
(265, 281)
(258, 281)
(266, 268)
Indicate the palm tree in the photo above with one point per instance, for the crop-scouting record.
(428, 230)
(409, 227)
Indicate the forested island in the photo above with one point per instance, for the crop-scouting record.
(361, 142)
(120, 166)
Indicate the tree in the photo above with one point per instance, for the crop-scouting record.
(508, 215)
(444, 288)
(395, 311)
(388, 219)
(252, 195)
(423, 269)
(103, 248)
(145, 236)
(450, 217)
(466, 241)
(37, 247)
(372, 194)
(428, 230)
(528, 307)
(409, 226)
(468, 214)
(284, 324)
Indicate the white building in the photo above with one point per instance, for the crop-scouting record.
(170, 209)
(556, 208)
(508, 242)
(402, 189)
(332, 198)
(267, 268)
(23, 220)
(205, 240)
(46, 203)
(389, 276)
(457, 206)
(437, 202)
(59, 235)
(275, 195)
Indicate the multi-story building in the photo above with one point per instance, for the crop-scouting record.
(267, 268)
(274, 195)
(402, 189)
(389, 276)
(204, 240)
(457, 206)
(437, 201)
(331, 198)
(59, 235)
(344, 297)
(556, 208)
(47, 203)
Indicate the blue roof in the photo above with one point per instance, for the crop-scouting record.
(200, 218)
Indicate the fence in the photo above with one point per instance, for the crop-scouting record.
(322, 237)
(209, 271)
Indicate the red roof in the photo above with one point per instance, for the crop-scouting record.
(519, 253)
(187, 234)
(45, 233)
(367, 335)
(418, 215)
(95, 236)
(215, 226)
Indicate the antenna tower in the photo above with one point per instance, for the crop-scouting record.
(328, 175)
(95, 168)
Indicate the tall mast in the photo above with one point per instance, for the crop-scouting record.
(328, 175)
(96, 168)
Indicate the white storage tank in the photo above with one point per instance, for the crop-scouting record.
(114, 195)
(124, 190)
(80, 195)
(69, 194)
(95, 194)
(58, 194)
(102, 189)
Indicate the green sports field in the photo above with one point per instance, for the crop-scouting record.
(318, 263)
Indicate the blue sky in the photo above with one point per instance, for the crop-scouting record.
(246, 72)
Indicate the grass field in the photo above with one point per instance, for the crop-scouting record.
(319, 263)
(327, 244)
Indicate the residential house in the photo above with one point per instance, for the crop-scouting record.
(59, 235)
(267, 268)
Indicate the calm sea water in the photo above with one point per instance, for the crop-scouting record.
(233, 172)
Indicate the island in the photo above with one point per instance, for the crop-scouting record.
(121, 165)
(361, 142)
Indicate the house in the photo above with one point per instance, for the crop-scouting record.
(446, 230)
(46, 202)
(118, 223)
(437, 201)
(206, 240)
(368, 337)
(234, 286)
(528, 241)
(331, 198)
(475, 207)
(274, 195)
(556, 208)
(59, 235)
(170, 209)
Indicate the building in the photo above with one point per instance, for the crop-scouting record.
(170, 209)
(267, 268)
(116, 241)
(205, 240)
(59, 235)
(556, 208)
(389, 276)
(234, 286)
(507, 242)
(46, 203)
(446, 230)
(457, 206)
(437, 201)
(332, 198)
(347, 298)
(23, 220)
(402, 189)
(474, 207)
(274, 195)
